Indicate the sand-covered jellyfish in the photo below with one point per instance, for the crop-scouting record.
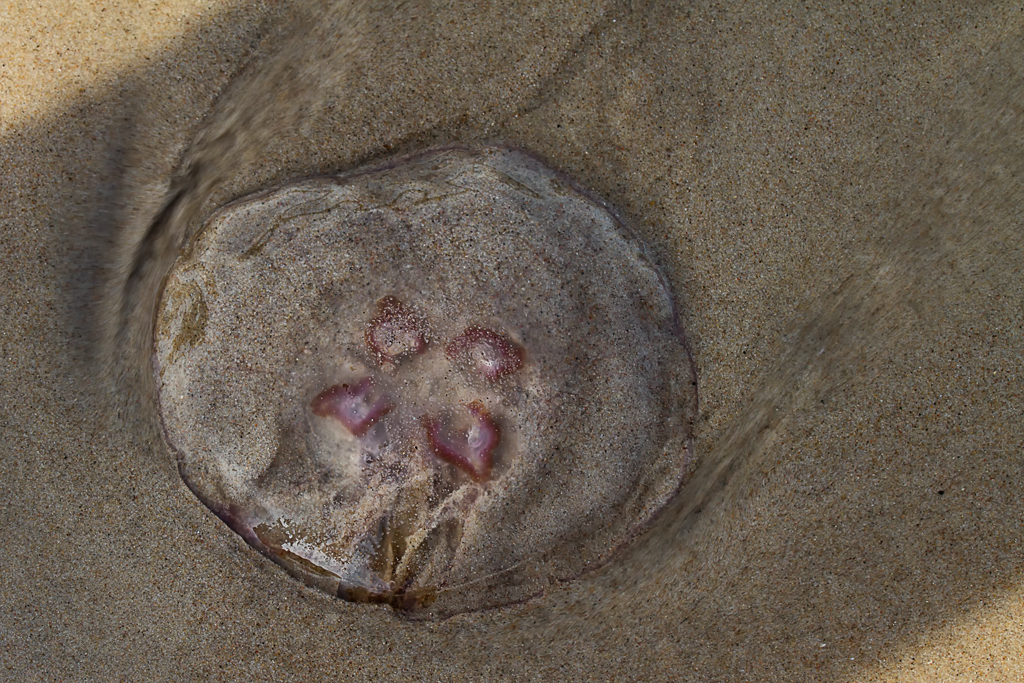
(443, 383)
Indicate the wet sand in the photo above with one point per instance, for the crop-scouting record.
(835, 196)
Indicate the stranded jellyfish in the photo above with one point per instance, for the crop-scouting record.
(443, 384)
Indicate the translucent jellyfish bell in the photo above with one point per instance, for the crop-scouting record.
(441, 384)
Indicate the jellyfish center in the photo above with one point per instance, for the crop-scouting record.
(412, 428)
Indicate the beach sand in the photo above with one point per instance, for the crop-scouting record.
(835, 195)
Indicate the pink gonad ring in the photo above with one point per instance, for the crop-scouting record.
(352, 406)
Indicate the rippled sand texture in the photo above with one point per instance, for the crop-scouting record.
(834, 196)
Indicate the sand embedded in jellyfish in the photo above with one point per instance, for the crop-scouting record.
(442, 383)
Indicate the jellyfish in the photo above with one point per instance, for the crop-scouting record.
(443, 383)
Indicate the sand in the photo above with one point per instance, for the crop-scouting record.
(834, 194)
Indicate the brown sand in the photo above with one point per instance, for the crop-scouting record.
(835, 194)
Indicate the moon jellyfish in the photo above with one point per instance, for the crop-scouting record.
(444, 384)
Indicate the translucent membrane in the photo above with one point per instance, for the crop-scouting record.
(443, 384)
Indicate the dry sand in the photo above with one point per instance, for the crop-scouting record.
(835, 194)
